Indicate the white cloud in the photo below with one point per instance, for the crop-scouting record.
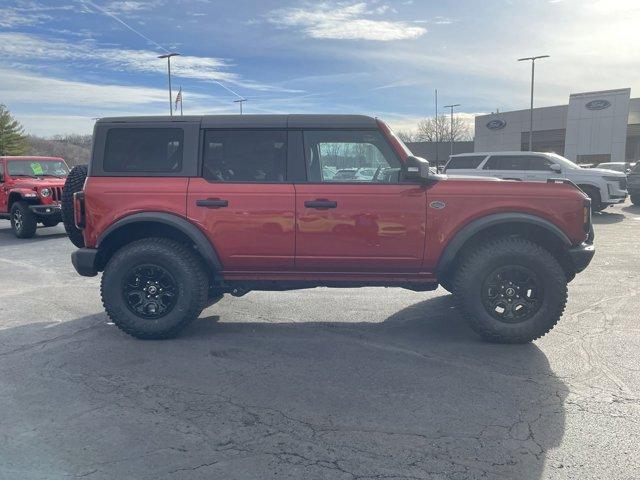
(345, 21)
(19, 47)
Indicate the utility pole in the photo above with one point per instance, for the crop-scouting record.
(168, 57)
(533, 70)
(240, 101)
(451, 129)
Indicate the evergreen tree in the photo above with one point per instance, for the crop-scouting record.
(13, 141)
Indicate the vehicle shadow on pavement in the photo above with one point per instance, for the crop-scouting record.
(415, 396)
(604, 217)
(7, 237)
(633, 209)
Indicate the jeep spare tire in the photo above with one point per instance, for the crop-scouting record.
(74, 183)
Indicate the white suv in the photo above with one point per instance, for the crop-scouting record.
(604, 187)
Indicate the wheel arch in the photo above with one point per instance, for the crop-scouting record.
(528, 226)
(16, 196)
(155, 224)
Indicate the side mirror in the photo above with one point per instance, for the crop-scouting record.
(416, 168)
(556, 168)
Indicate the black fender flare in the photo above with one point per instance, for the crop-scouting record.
(199, 239)
(476, 226)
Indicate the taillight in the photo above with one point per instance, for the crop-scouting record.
(586, 215)
(78, 210)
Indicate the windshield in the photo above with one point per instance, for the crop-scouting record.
(37, 168)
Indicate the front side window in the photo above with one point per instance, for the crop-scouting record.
(349, 157)
(152, 150)
(507, 162)
(540, 164)
(245, 156)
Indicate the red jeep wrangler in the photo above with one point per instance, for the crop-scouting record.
(31, 191)
(177, 212)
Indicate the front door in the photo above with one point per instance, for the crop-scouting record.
(508, 167)
(242, 200)
(354, 214)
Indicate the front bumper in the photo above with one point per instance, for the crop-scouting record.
(51, 210)
(582, 255)
(84, 261)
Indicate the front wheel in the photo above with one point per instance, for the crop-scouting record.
(23, 221)
(635, 199)
(152, 288)
(511, 290)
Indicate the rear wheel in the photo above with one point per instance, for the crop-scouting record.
(152, 288)
(511, 290)
(635, 199)
(74, 183)
(23, 221)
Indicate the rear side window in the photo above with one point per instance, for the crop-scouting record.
(470, 162)
(540, 164)
(245, 156)
(153, 150)
(507, 162)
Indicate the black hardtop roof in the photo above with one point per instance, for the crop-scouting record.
(256, 121)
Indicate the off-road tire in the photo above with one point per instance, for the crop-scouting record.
(174, 257)
(635, 199)
(506, 251)
(47, 222)
(596, 199)
(23, 220)
(74, 183)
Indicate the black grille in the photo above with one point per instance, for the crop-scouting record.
(56, 193)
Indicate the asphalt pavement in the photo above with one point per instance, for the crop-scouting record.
(367, 383)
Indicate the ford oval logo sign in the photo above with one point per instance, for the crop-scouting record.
(598, 104)
(496, 124)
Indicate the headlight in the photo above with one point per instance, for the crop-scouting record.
(45, 192)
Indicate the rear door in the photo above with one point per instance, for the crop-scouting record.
(508, 167)
(243, 201)
(371, 223)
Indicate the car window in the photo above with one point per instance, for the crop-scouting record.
(350, 156)
(507, 162)
(540, 164)
(245, 156)
(467, 162)
(143, 150)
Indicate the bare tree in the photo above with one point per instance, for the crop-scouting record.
(432, 129)
(407, 135)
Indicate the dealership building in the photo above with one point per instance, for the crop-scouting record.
(594, 127)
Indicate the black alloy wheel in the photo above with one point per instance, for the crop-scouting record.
(512, 294)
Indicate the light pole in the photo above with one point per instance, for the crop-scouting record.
(451, 129)
(168, 57)
(533, 70)
(240, 101)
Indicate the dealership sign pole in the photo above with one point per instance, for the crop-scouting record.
(451, 129)
(533, 70)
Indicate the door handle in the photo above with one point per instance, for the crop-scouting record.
(320, 203)
(212, 203)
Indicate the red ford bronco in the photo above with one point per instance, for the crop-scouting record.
(178, 212)
(31, 191)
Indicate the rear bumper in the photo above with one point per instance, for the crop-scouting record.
(84, 261)
(53, 210)
(582, 255)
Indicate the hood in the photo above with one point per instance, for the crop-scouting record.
(601, 171)
(39, 182)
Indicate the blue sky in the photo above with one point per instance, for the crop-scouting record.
(65, 62)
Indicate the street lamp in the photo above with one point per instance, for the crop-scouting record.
(451, 131)
(533, 69)
(168, 57)
(240, 101)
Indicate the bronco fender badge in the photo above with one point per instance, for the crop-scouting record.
(438, 204)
